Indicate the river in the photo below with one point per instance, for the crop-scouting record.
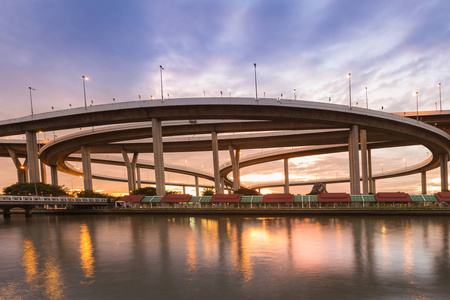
(216, 257)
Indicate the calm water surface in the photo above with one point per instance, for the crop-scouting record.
(173, 257)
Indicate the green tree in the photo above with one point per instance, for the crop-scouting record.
(150, 191)
(208, 192)
(91, 194)
(147, 191)
(172, 192)
(248, 192)
(42, 189)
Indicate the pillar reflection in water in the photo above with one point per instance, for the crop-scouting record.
(86, 254)
(243, 261)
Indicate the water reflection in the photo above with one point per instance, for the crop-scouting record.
(87, 257)
(30, 262)
(225, 257)
(52, 279)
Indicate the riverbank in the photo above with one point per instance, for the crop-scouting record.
(253, 212)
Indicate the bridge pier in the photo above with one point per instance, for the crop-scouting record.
(286, 176)
(6, 212)
(87, 171)
(131, 169)
(423, 177)
(197, 188)
(158, 157)
(353, 151)
(54, 175)
(215, 152)
(21, 169)
(365, 180)
(369, 165)
(28, 213)
(234, 157)
(138, 177)
(32, 156)
(444, 171)
(43, 172)
(222, 186)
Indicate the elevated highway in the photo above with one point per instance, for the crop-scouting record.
(332, 125)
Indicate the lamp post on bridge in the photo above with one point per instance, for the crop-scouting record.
(440, 97)
(367, 101)
(84, 89)
(31, 100)
(417, 105)
(350, 88)
(160, 72)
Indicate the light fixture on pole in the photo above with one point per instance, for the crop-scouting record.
(256, 84)
(367, 101)
(417, 105)
(350, 88)
(31, 100)
(440, 97)
(84, 89)
(295, 94)
(160, 72)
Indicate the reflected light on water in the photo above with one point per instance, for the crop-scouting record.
(30, 262)
(86, 251)
(210, 233)
(53, 280)
(191, 261)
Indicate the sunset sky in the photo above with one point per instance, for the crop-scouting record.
(394, 48)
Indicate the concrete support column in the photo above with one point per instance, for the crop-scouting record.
(158, 155)
(184, 189)
(423, 177)
(87, 171)
(43, 172)
(21, 170)
(197, 187)
(54, 175)
(138, 177)
(6, 212)
(32, 156)
(374, 187)
(215, 152)
(354, 160)
(365, 180)
(25, 165)
(369, 164)
(131, 169)
(222, 186)
(234, 157)
(444, 171)
(286, 176)
(350, 162)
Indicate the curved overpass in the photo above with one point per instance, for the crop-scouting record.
(252, 116)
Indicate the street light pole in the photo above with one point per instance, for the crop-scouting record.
(31, 100)
(417, 105)
(440, 97)
(256, 84)
(367, 101)
(350, 88)
(84, 90)
(295, 94)
(160, 72)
